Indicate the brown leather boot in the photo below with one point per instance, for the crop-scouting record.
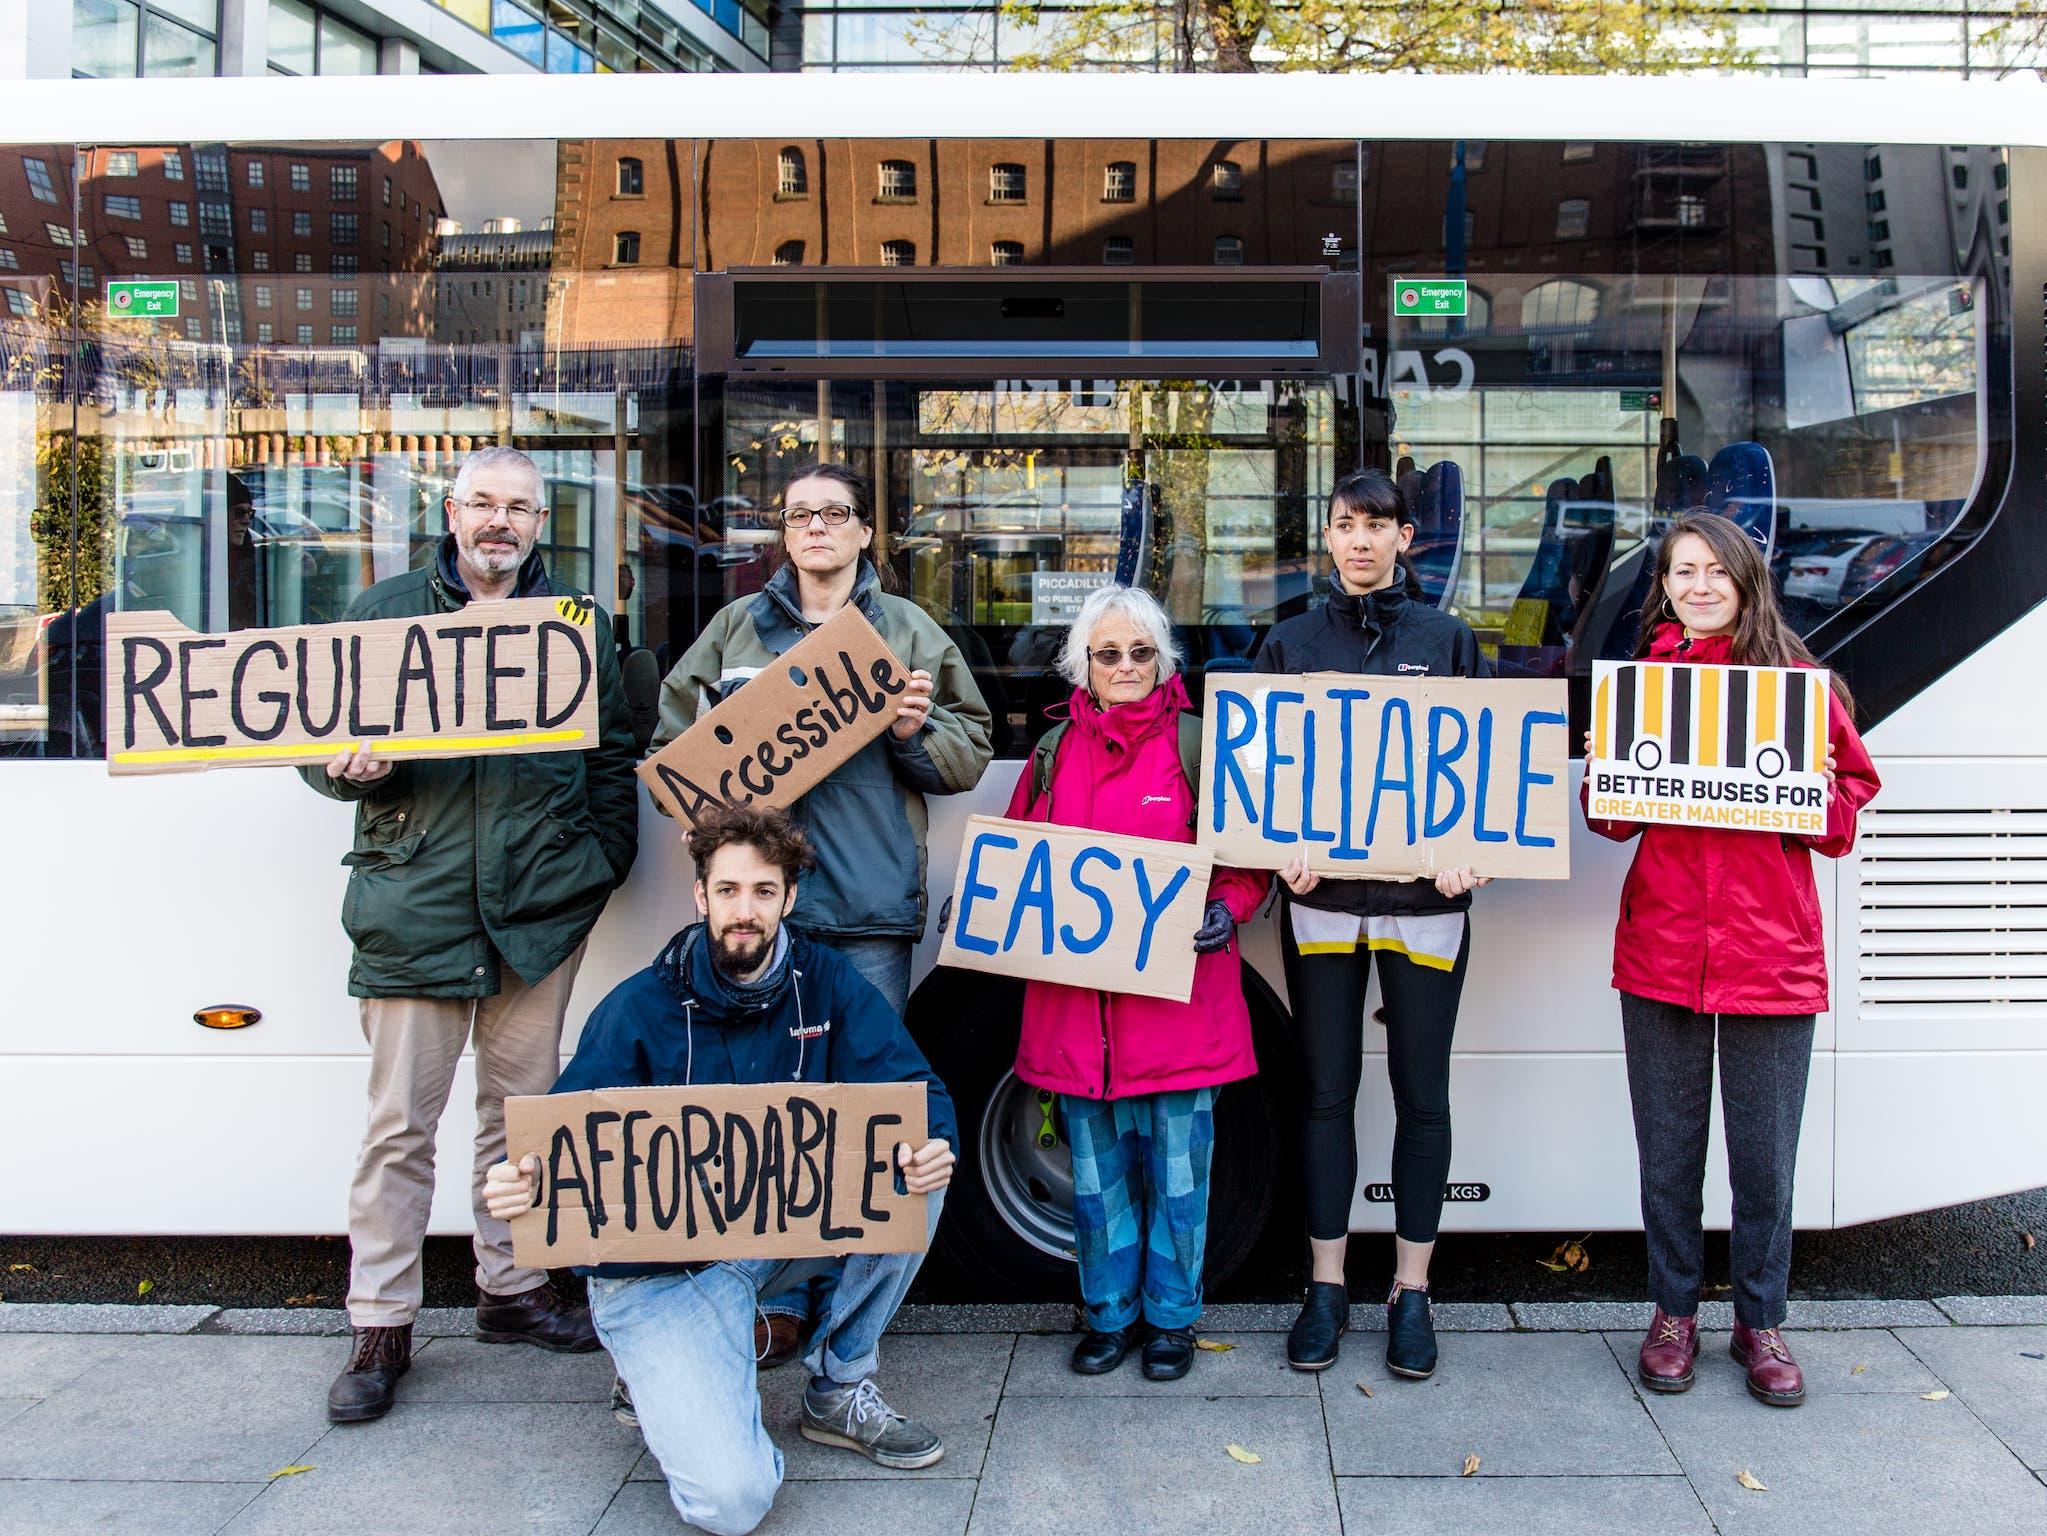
(1665, 1364)
(368, 1387)
(538, 1316)
(1773, 1376)
(776, 1337)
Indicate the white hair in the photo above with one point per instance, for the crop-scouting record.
(491, 458)
(1136, 605)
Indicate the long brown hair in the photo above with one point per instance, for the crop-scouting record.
(1762, 637)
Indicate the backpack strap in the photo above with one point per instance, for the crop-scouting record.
(1041, 761)
(1190, 759)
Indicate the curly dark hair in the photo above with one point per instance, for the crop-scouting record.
(771, 834)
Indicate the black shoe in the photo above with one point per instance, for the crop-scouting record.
(1168, 1354)
(538, 1316)
(367, 1388)
(1097, 1354)
(1410, 1335)
(1325, 1315)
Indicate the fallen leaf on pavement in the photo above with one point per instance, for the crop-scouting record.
(2027, 1239)
(145, 1288)
(1750, 1481)
(1470, 1465)
(1569, 1258)
(1936, 1395)
(21, 1269)
(1858, 1370)
(1364, 1389)
(1215, 1344)
(306, 1300)
(1248, 1458)
(288, 1472)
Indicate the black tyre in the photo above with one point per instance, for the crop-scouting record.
(1007, 1234)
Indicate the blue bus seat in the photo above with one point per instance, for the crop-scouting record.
(1741, 485)
(1680, 484)
(1561, 593)
(1435, 499)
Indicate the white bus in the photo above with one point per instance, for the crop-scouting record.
(1107, 328)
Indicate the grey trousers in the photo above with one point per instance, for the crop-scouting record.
(1764, 1062)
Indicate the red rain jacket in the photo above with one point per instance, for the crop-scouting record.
(1722, 921)
(1119, 770)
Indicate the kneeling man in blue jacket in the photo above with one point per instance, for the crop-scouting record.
(742, 998)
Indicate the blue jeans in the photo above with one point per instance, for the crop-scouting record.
(684, 1344)
(885, 964)
(1140, 1204)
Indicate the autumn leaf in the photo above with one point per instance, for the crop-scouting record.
(21, 1269)
(1750, 1481)
(1938, 1394)
(1470, 1465)
(288, 1472)
(306, 1300)
(1569, 1258)
(1364, 1389)
(1248, 1458)
(145, 1288)
(1216, 1345)
(2027, 1239)
(1858, 1370)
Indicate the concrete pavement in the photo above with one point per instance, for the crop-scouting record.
(1920, 1415)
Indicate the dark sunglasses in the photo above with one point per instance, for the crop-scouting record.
(1110, 656)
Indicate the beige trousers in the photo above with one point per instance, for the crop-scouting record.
(415, 1045)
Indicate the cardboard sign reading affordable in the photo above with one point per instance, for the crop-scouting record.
(1386, 778)
(785, 729)
(743, 1171)
(1740, 747)
(516, 676)
(1082, 908)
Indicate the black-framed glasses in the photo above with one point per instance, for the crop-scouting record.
(1112, 656)
(834, 513)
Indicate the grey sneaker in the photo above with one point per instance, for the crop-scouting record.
(622, 1404)
(857, 1418)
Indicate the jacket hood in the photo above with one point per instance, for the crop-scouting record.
(684, 967)
(1669, 644)
(453, 591)
(1127, 724)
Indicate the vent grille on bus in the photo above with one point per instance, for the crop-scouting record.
(1952, 914)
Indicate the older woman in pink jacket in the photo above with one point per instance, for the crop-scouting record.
(1136, 1077)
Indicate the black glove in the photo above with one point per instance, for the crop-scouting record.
(1216, 927)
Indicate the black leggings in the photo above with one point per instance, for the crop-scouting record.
(1328, 993)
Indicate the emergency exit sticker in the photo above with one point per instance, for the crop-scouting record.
(142, 301)
(1428, 296)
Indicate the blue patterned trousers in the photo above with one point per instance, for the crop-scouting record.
(1140, 1204)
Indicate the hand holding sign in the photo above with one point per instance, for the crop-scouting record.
(508, 1188)
(914, 707)
(358, 766)
(928, 1169)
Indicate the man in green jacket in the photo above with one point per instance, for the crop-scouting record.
(473, 886)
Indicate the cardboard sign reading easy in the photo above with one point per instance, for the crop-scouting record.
(787, 728)
(1741, 747)
(517, 676)
(746, 1171)
(1084, 909)
(1386, 778)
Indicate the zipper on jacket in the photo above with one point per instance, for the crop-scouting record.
(1102, 1016)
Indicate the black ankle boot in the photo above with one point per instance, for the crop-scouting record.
(1168, 1354)
(1410, 1334)
(1097, 1354)
(1325, 1314)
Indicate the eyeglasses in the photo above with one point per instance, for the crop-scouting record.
(517, 511)
(834, 515)
(1110, 656)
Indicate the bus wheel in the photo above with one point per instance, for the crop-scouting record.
(1007, 1233)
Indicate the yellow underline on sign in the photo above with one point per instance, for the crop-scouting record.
(377, 746)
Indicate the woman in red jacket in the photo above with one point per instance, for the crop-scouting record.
(1720, 933)
(1136, 1076)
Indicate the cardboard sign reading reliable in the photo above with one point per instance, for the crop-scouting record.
(1741, 747)
(516, 676)
(1085, 909)
(1386, 778)
(734, 1171)
(785, 729)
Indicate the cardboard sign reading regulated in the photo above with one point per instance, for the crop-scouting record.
(516, 676)
(746, 1171)
(1740, 747)
(1386, 778)
(1084, 909)
(785, 729)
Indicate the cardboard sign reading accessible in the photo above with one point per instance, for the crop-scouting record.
(1085, 909)
(785, 729)
(1386, 778)
(737, 1171)
(516, 676)
(1740, 747)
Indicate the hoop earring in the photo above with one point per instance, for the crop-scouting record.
(1669, 612)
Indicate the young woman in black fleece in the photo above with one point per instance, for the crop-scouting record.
(1373, 622)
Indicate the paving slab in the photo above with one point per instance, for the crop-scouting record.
(910, 1507)
(44, 1507)
(1521, 1506)
(1092, 1464)
(466, 1371)
(204, 1408)
(1991, 1369)
(38, 1364)
(317, 1320)
(1253, 1366)
(1831, 1465)
(1528, 1405)
(10, 1407)
(1851, 1360)
(1994, 1311)
(454, 1469)
(98, 1317)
